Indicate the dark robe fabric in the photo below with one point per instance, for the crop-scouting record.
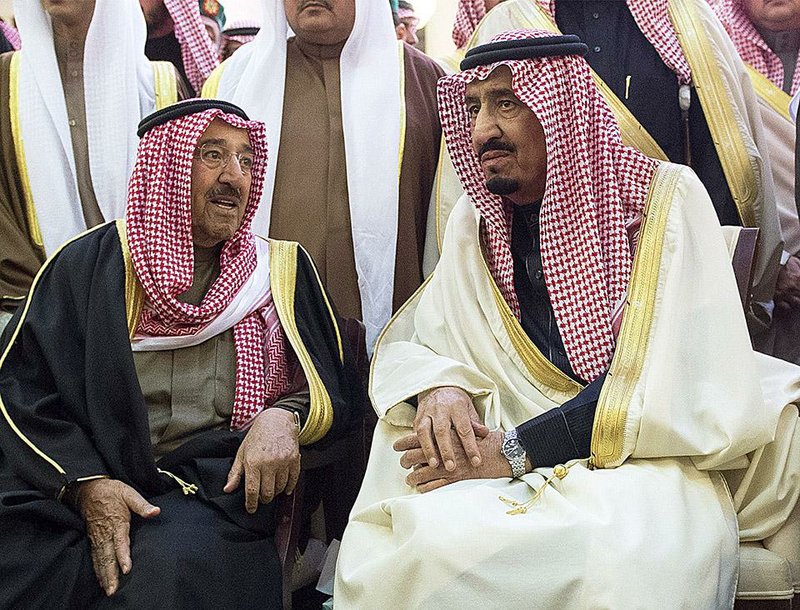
(167, 48)
(563, 433)
(72, 409)
(311, 201)
(632, 68)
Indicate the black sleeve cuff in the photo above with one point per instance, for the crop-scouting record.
(565, 433)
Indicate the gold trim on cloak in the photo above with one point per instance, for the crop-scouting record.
(19, 150)
(539, 367)
(775, 98)
(134, 293)
(633, 134)
(718, 110)
(283, 280)
(165, 83)
(13, 340)
(608, 432)
(211, 86)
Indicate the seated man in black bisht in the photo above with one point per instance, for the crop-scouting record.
(157, 383)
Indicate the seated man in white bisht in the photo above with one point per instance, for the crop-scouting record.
(559, 401)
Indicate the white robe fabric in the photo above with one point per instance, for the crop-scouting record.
(254, 78)
(119, 91)
(658, 526)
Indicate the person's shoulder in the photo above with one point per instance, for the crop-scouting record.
(90, 245)
(424, 65)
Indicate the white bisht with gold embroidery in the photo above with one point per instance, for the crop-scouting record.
(654, 523)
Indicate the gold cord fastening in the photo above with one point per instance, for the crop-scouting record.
(559, 472)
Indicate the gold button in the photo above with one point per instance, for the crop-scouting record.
(72, 122)
(74, 73)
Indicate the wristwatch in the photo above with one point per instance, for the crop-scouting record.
(513, 451)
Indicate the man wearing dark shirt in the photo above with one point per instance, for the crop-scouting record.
(572, 402)
(674, 104)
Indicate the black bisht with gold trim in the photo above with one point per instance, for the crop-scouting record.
(72, 407)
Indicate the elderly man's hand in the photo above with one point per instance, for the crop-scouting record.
(787, 288)
(106, 506)
(269, 458)
(426, 477)
(440, 411)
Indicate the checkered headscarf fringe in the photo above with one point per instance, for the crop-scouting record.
(197, 51)
(596, 187)
(11, 34)
(468, 15)
(159, 225)
(751, 46)
(652, 17)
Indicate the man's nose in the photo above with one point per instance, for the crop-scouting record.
(232, 172)
(484, 129)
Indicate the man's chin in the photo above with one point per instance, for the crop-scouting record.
(500, 185)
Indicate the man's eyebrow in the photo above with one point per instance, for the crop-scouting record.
(471, 99)
(501, 92)
(223, 142)
(217, 141)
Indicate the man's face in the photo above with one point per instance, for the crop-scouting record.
(213, 32)
(407, 30)
(322, 22)
(229, 47)
(70, 11)
(508, 139)
(219, 195)
(774, 15)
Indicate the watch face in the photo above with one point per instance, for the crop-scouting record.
(512, 449)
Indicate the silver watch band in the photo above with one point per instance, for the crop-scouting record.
(515, 454)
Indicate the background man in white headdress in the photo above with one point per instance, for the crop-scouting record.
(68, 125)
(681, 93)
(352, 107)
(570, 382)
(158, 383)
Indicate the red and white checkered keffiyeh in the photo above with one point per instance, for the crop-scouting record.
(11, 34)
(159, 220)
(751, 46)
(468, 16)
(595, 188)
(197, 51)
(652, 17)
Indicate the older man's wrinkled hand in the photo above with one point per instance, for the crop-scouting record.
(106, 506)
(426, 477)
(269, 459)
(441, 411)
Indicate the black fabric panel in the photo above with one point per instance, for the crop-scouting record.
(203, 551)
(319, 336)
(536, 311)
(634, 71)
(5, 46)
(565, 433)
(166, 48)
(68, 382)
